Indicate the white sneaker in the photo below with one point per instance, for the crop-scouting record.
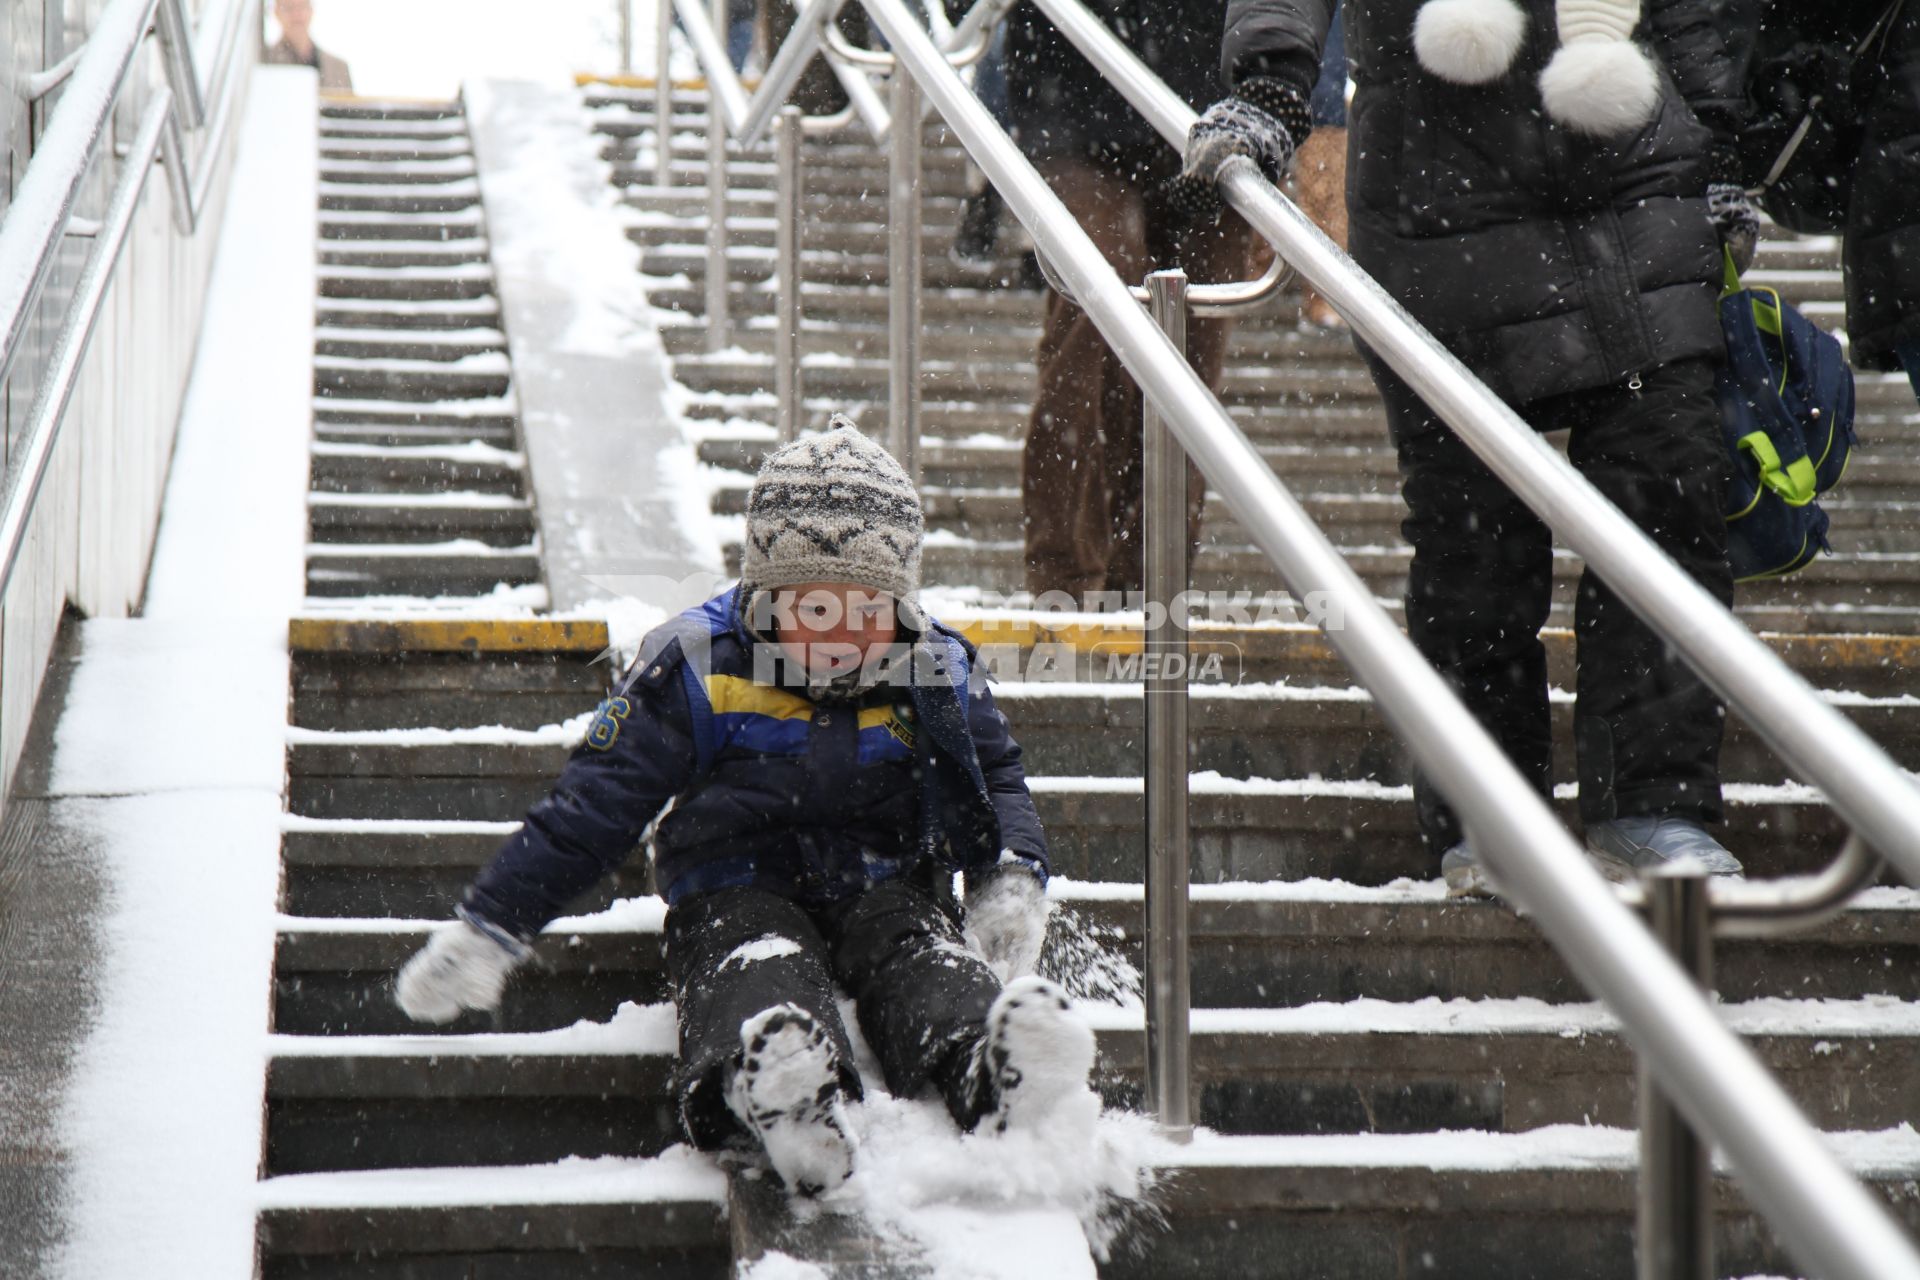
(1624, 847)
(1036, 1053)
(1466, 878)
(787, 1092)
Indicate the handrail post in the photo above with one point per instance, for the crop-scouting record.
(176, 43)
(904, 266)
(719, 327)
(1164, 701)
(1675, 1228)
(663, 94)
(789, 128)
(626, 36)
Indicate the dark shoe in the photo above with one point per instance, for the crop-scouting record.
(978, 233)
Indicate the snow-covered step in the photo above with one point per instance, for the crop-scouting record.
(1095, 728)
(867, 182)
(496, 519)
(752, 264)
(1556, 1201)
(467, 566)
(347, 224)
(403, 253)
(380, 1102)
(817, 208)
(481, 374)
(404, 869)
(836, 337)
(666, 1214)
(393, 172)
(369, 113)
(1243, 828)
(401, 313)
(340, 468)
(831, 373)
(1820, 598)
(365, 342)
(1363, 1066)
(378, 147)
(447, 197)
(993, 461)
(942, 307)
(430, 283)
(749, 417)
(392, 127)
(1272, 945)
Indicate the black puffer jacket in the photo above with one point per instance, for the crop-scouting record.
(1060, 105)
(1883, 221)
(1549, 262)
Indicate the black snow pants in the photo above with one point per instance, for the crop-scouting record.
(1646, 729)
(921, 996)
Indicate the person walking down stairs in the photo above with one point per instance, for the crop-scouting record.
(829, 762)
(1080, 480)
(296, 48)
(1555, 216)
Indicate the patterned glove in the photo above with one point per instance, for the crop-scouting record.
(1265, 120)
(463, 966)
(1735, 221)
(1007, 918)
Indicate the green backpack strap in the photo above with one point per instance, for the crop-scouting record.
(1793, 482)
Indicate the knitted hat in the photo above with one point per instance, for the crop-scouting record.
(834, 507)
(1599, 82)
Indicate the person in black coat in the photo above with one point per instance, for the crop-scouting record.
(1546, 188)
(1858, 170)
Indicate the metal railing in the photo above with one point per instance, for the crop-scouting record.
(43, 217)
(1718, 1086)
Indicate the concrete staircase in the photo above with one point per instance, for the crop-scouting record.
(419, 480)
(1399, 1085)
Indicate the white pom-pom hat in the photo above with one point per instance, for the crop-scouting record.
(1599, 82)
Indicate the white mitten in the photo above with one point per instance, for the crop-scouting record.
(1007, 919)
(461, 967)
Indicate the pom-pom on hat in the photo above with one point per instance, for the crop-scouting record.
(834, 507)
(1599, 82)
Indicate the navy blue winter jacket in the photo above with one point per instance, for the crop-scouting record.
(812, 802)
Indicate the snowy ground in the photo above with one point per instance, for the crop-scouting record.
(170, 757)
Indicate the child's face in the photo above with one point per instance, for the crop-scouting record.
(832, 627)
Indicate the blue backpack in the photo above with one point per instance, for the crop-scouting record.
(1786, 407)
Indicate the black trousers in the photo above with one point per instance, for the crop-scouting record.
(1646, 729)
(920, 995)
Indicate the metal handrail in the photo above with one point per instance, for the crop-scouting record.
(42, 214)
(1228, 298)
(1825, 1217)
(29, 466)
(30, 238)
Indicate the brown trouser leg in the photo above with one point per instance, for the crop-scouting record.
(1081, 480)
(1320, 181)
(818, 91)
